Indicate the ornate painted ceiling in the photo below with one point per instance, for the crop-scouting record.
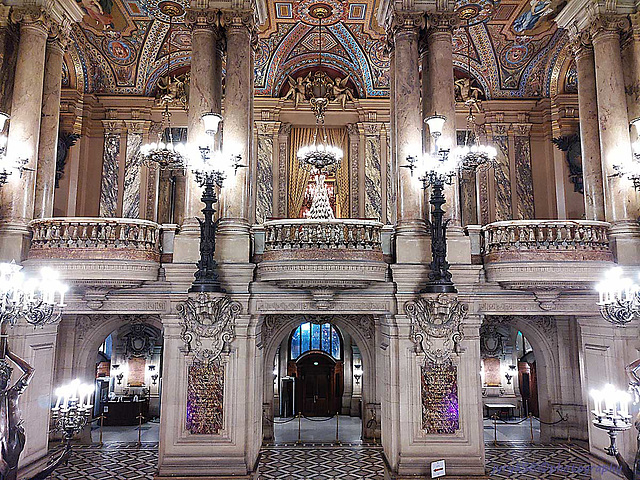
(121, 47)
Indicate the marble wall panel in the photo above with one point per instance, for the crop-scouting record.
(373, 179)
(502, 179)
(391, 190)
(264, 197)
(468, 198)
(131, 197)
(524, 178)
(205, 398)
(440, 410)
(109, 186)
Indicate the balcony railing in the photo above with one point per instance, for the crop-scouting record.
(317, 254)
(323, 239)
(95, 239)
(539, 240)
(540, 255)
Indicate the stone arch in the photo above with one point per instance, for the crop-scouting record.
(91, 331)
(541, 332)
(275, 328)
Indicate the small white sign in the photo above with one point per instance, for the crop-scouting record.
(437, 469)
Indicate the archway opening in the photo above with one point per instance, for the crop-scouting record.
(318, 377)
(128, 378)
(509, 384)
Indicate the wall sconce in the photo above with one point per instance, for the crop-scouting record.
(154, 377)
(508, 377)
(275, 372)
(119, 372)
(211, 122)
(152, 368)
(357, 373)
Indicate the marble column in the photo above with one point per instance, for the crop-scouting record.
(110, 160)
(411, 240)
(621, 201)
(264, 185)
(203, 98)
(233, 232)
(439, 94)
(49, 126)
(24, 132)
(589, 134)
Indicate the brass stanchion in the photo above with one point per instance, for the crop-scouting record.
(139, 417)
(531, 425)
(495, 430)
(299, 426)
(337, 442)
(101, 417)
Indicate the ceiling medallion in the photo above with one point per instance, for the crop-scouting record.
(170, 8)
(468, 12)
(320, 10)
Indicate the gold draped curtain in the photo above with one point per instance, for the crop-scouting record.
(299, 177)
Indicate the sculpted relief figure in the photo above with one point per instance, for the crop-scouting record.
(467, 93)
(317, 85)
(12, 436)
(341, 92)
(297, 89)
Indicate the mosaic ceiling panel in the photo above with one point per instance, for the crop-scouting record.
(512, 47)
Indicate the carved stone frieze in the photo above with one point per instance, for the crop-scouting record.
(208, 324)
(86, 323)
(436, 325)
(492, 339)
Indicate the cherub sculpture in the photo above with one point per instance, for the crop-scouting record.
(341, 91)
(297, 90)
(467, 93)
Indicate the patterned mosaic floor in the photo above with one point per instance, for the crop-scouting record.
(506, 461)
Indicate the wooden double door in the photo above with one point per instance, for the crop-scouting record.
(320, 384)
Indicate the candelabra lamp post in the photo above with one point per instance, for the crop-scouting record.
(619, 300)
(207, 279)
(437, 170)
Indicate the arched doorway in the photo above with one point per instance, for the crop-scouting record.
(320, 365)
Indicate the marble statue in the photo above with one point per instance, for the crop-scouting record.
(341, 92)
(297, 90)
(12, 437)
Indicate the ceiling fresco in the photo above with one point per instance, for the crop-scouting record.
(512, 47)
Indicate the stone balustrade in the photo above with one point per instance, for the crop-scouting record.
(302, 252)
(345, 236)
(120, 252)
(531, 254)
(546, 239)
(77, 237)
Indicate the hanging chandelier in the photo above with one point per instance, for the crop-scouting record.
(39, 302)
(320, 155)
(168, 155)
(8, 165)
(473, 154)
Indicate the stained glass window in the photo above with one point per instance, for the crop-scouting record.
(313, 336)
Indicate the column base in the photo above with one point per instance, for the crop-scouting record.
(186, 245)
(233, 241)
(458, 246)
(15, 241)
(413, 244)
(624, 240)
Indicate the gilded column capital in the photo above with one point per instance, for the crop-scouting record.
(112, 127)
(580, 43)
(59, 35)
(267, 127)
(32, 17)
(404, 22)
(372, 129)
(237, 21)
(521, 129)
(137, 126)
(442, 22)
(285, 129)
(198, 19)
(607, 24)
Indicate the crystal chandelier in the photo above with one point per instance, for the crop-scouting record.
(472, 154)
(167, 155)
(38, 301)
(320, 157)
